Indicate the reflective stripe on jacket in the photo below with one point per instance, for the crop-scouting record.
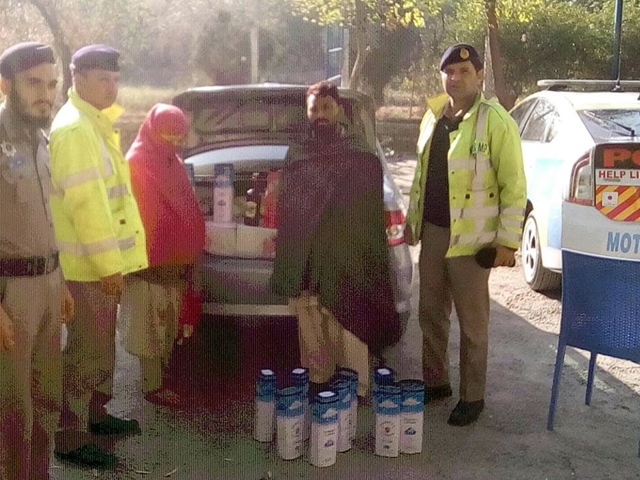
(487, 188)
(96, 218)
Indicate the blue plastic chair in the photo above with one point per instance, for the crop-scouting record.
(600, 314)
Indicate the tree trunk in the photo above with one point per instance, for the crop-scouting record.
(505, 97)
(61, 45)
(355, 82)
(254, 39)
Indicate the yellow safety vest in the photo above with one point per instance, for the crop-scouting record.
(96, 218)
(487, 187)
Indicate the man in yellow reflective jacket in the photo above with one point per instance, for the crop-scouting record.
(101, 238)
(468, 194)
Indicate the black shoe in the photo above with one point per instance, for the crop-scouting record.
(90, 455)
(466, 413)
(432, 394)
(110, 425)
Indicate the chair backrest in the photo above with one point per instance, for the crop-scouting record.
(601, 305)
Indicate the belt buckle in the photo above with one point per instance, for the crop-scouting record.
(39, 266)
(53, 262)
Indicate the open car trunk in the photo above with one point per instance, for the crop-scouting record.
(238, 239)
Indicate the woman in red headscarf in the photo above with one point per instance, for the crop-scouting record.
(175, 231)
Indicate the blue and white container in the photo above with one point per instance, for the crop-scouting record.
(290, 421)
(387, 407)
(300, 378)
(383, 376)
(223, 193)
(352, 377)
(343, 390)
(265, 405)
(412, 416)
(324, 430)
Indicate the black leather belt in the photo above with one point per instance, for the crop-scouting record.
(28, 267)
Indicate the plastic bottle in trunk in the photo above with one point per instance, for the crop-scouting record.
(324, 430)
(290, 421)
(412, 416)
(300, 378)
(223, 193)
(270, 200)
(387, 400)
(253, 201)
(265, 405)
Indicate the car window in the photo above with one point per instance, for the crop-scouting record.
(543, 123)
(268, 116)
(253, 115)
(605, 124)
(520, 112)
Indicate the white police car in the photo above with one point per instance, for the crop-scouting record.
(580, 140)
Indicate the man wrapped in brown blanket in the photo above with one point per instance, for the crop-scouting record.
(332, 257)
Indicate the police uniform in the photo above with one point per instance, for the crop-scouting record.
(30, 287)
(468, 193)
(99, 234)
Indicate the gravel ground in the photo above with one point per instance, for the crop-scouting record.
(212, 439)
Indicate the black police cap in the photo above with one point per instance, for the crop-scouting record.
(102, 57)
(461, 53)
(24, 56)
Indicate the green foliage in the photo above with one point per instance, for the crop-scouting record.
(384, 13)
(165, 42)
(538, 39)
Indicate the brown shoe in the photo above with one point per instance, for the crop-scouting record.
(165, 397)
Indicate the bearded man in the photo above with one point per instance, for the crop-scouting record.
(331, 255)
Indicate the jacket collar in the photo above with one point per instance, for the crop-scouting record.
(437, 104)
(103, 119)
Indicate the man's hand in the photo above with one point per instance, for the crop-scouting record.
(505, 257)
(6, 332)
(187, 331)
(112, 285)
(68, 307)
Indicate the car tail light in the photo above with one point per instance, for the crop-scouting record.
(581, 186)
(394, 221)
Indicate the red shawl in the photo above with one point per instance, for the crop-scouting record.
(172, 219)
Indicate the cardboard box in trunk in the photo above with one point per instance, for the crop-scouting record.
(240, 241)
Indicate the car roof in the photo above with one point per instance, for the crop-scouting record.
(594, 100)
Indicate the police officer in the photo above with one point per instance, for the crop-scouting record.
(101, 239)
(468, 194)
(31, 285)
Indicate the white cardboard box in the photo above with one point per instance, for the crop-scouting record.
(221, 239)
(256, 242)
(239, 240)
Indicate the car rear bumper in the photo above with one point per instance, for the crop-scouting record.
(585, 230)
(240, 287)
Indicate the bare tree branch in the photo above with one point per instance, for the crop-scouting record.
(60, 43)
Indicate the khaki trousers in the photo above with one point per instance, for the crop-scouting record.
(326, 345)
(30, 376)
(149, 315)
(462, 280)
(89, 356)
